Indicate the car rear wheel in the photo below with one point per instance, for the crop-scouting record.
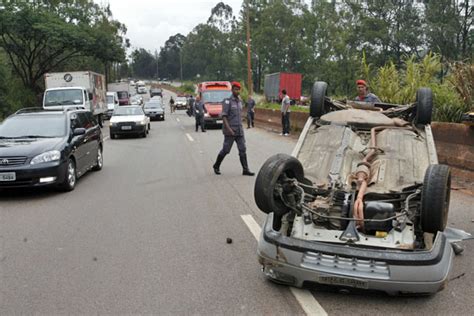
(435, 198)
(99, 160)
(70, 178)
(318, 99)
(269, 183)
(424, 106)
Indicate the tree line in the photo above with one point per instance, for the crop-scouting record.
(324, 40)
(52, 35)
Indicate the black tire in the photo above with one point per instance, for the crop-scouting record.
(144, 134)
(112, 136)
(435, 198)
(267, 179)
(68, 183)
(318, 99)
(99, 161)
(424, 106)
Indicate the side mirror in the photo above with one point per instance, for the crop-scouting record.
(91, 96)
(79, 131)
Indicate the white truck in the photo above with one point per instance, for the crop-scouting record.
(79, 89)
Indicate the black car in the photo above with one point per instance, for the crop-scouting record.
(49, 148)
(156, 92)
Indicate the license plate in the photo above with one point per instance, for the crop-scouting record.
(333, 280)
(7, 176)
(126, 128)
(218, 121)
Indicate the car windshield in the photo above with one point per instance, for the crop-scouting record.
(110, 99)
(63, 97)
(150, 105)
(33, 126)
(123, 111)
(181, 99)
(122, 94)
(215, 96)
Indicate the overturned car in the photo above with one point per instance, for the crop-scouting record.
(361, 203)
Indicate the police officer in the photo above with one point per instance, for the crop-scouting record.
(199, 110)
(250, 112)
(233, 131)
(191, 105)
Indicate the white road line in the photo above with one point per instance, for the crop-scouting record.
(106, 137)
(306, 300)
(189, 137)
(252, 225)
(177, 119)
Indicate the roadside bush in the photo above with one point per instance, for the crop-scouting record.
(187, 88)
(399, 86)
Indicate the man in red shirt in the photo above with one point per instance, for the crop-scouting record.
(363, 93)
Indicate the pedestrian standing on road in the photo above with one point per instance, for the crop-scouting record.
(199, 110)
(250, 112)
(172, 105)
(191, 101)
(233, 131)
(285, 114)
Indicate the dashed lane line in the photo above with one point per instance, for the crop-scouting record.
(189, 137)
(306, 300)
(177, 119)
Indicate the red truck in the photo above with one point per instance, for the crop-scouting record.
(212, 94)
(275, 83)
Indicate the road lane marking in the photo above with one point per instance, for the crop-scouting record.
(305, 298)
(252, 225)
(106, 137)
(189, 137)
(177, 120)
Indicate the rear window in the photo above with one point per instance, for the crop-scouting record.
(122, 94)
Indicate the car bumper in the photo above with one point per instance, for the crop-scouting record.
(159, 116)
(135, 129)
(35, 176)
(298, 262)
(210, 120)
(180, 106)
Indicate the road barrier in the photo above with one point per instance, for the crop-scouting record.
(454, 142)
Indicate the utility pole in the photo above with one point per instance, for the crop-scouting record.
(249, 60)
(181, 64)
(156, 57)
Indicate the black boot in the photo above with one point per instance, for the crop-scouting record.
(217, 165)
(245, 166)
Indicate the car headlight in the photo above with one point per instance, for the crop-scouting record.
(113, 124)
(206, 114)
(142, 122)
(53, 155)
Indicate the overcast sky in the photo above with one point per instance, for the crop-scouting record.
(151, 22)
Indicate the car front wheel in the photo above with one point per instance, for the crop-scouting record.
(70, 178)
(435, 197)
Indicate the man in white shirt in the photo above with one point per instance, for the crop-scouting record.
(285, 114)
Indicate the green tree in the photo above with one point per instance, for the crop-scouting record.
(40, 37)
(143, 63)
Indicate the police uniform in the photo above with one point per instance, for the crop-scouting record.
(199, 110)
(232, 110)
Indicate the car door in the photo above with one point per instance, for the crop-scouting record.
(93, 138)
(79, 143)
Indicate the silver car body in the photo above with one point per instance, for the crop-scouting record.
(330, 150)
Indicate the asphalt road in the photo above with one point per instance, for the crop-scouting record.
(147, 234)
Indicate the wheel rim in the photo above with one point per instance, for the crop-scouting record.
(71, 174)
(100, 158)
